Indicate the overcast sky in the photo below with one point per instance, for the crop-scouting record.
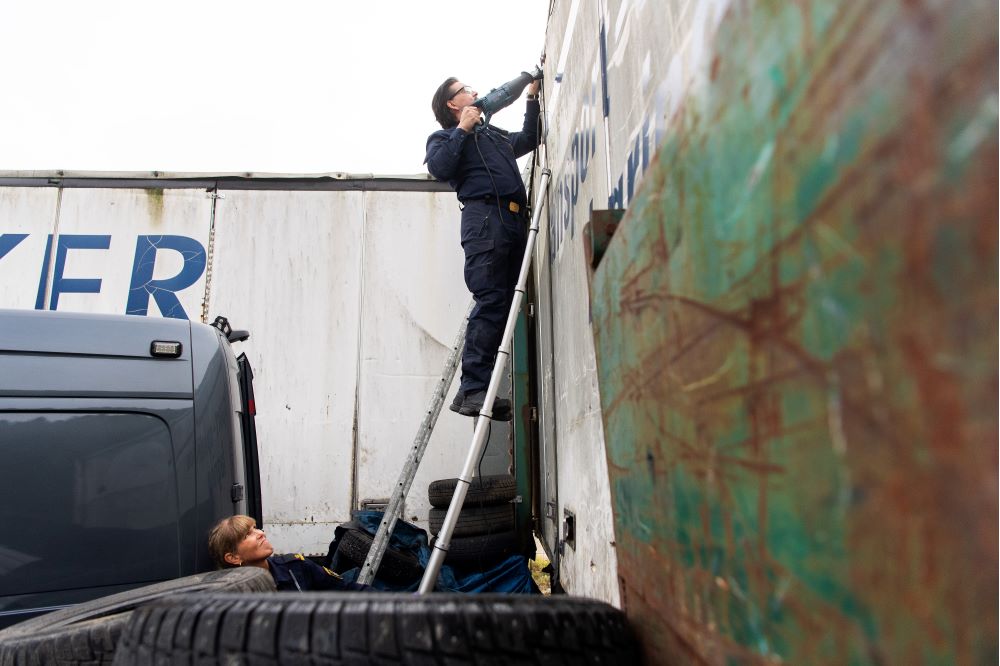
(299, 86)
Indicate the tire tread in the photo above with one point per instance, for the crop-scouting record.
(388, 628)
(481, 551)
(396, 566)
(488, 489)
(89, 632)
(476, 520)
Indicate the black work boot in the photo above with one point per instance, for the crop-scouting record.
(456, 404)
(473, 403)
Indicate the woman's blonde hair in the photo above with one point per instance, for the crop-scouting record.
(226, 536)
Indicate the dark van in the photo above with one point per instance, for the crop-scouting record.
(123, 439)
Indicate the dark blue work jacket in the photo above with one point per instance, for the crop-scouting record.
(295, 572)
(467, 161)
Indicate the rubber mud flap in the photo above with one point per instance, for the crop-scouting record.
(476, 520)
(88, 633)
(490, 489)
(377, 628)
(396, 566)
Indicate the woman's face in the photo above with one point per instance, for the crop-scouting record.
(254, 549)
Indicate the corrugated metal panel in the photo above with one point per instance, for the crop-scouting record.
(797, 337)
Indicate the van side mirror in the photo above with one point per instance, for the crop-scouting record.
(222, 324)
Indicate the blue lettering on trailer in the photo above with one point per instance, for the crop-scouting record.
(63, 285)
(649, 134)
(9, 241)
(640, 153)
(141, 286)
(576, 168)
(163, 291)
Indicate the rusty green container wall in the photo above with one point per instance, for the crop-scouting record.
(796, 330)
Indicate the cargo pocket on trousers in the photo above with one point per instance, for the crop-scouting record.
(478, 264)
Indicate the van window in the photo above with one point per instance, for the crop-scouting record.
(86, 499)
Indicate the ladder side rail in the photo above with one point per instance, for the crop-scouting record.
(443, 540)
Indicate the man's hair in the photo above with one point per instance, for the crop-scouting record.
(226, 536)
(440, 104)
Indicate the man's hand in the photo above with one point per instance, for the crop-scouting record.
(469, 119)
(534, 86)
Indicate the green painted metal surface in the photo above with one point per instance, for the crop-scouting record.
(796, 330)
(523, 453)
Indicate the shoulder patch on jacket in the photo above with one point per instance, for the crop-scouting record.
(286, 558)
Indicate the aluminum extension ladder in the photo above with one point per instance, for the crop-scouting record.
(394, 507)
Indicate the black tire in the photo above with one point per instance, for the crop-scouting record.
(481, 552)
(476, 520)
(495, 489)
(377, 628)
(88, 633)
(396, 566)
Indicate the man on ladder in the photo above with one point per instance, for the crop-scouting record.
(478, 161)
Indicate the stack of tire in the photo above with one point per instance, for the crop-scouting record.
(484, 533)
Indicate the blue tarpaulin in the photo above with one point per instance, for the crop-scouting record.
(510, 575)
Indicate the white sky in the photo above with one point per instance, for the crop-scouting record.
(300, 86)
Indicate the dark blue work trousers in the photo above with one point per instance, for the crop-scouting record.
(493, 239)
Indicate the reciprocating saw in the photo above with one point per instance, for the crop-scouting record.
(504, 96)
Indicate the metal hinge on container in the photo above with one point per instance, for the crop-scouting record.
(236, 492)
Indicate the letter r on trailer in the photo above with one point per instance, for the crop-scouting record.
(163, 291)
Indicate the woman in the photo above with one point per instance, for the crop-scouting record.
(236, 542)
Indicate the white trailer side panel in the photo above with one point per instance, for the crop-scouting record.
(287, 266)
(161, 234)
(654, 50)
(139, 251)
(27, 217)
(575, 149)
(414, 302)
